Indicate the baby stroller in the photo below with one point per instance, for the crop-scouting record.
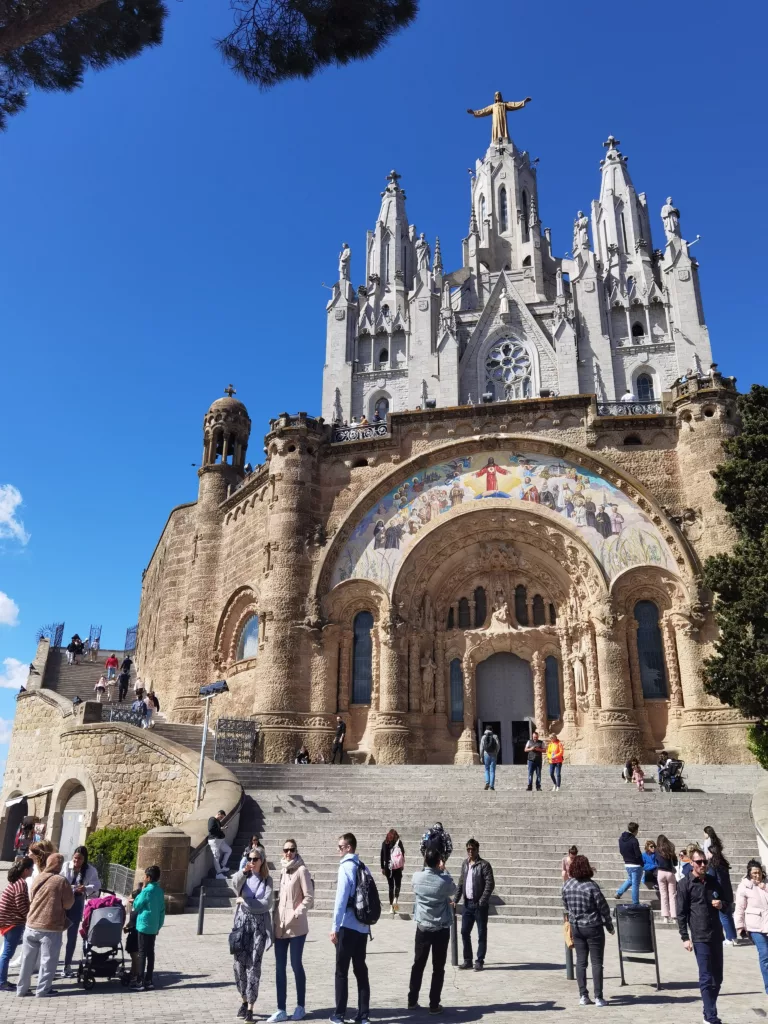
(671, 778)
(102, 931)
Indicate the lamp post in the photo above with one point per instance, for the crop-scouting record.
(207, 693)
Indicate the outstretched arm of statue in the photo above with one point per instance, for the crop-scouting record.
(483, 112)
(513, 105)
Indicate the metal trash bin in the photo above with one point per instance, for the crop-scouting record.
(635, 926)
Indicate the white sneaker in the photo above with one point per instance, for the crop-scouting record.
(665, 920)
(728, 942)
(276, 1016)
(585, 1001)
(554, 789)
(601, 1002)
(299, 1013)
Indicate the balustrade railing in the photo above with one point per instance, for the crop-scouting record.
(358, 433)
(629, 408)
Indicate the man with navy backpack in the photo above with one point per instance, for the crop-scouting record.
(354, 889)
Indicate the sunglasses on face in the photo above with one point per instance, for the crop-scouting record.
(698, 862)
(254, 860)
(289, 849)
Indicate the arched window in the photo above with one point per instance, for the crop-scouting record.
(524, 217)
(248, 644)
(624, 232)
(457, 691)
(481, 607)
(382, 408)
(383, 357)
(508, 370)
(552, 615)
(503, 218)
(362, 658)
(638, 331)
(450, 623)
(386, 261)
(538, 611)
(645, 388)
(521, 605)
(464, 619)
(482, 215)
(527, 261)
(630, 285)
(552, 684)
(650, 650)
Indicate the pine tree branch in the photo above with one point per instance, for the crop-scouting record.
(52, 15)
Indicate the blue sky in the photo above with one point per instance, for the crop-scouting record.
(167, 229)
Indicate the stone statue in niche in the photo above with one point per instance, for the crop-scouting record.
(670, 215)
(504, 304)
(428, 668)
(579, 674)
(422, 253)
(501, 618)
(580, 232)
(428, 615)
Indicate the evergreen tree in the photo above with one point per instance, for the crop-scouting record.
(50, 44)
(738, 672)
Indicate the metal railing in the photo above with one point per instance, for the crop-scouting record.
(629, 408)
(357, 433)
(235, 740)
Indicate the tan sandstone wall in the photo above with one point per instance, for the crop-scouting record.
(33, 753)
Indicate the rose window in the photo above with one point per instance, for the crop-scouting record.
(508, 371)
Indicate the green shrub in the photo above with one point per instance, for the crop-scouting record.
(757, 741)
(115, 845)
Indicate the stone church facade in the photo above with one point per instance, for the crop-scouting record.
(500, 516)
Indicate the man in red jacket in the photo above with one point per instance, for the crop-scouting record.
(111, 666)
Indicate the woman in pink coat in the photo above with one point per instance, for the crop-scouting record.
(752, 912)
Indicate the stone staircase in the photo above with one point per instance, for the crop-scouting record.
(71, 681)
(524, 835)
(190, 736)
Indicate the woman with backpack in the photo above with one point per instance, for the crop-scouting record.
(392, 864)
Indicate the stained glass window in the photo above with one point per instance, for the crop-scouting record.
(552, 684)
(362, 658)
(508, 370)
(521, 605)
(248, 644)
(650, 650)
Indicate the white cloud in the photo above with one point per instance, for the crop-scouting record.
(13, 675)
(9, 611)
(6, 725)
(11, 527)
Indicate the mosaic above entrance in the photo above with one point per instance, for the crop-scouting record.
(619, 534)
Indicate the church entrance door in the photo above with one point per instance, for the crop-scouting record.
(505, 696)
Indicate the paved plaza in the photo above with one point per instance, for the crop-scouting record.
(525, 973)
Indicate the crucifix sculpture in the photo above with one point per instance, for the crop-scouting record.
(498, 109)
(230, 391)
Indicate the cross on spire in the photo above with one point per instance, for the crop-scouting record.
(393, 178)
(230, 391)
(611, 142)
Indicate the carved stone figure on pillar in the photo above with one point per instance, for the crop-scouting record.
(498, 111)
(344, 258)
(504, 303)
(428, 615)
(579, 673)
(428, 667)
(422, 253)
(671, 218)
(580, 232)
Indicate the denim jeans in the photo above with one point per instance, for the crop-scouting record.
(472, 913)
(490, 769)
(760, 939)
(12, 940)
(709, 957)
(554, 773)
(590, 945)
(634, 874)
(726, 920)
(296, 947)
(534, 768)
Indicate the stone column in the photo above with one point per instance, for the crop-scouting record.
(345, 670)
(324, 670)
(169, 848)
(442, 700)
(593, 683)
(618, 735)
(539, 693)
(670, 657)
(466, 751)
(569, 687)
(628, 626)
(391, 733)
(414, 672)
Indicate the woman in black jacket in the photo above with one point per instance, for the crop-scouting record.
(392, 864)
(721, 870)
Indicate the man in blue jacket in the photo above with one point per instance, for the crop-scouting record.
(629, 848)
(349, 936)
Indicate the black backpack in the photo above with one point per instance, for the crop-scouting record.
(492, 747)
(366, 902)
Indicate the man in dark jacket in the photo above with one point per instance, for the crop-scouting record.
(338, 740)
(629, 848)
(220, 848)
(476, 887)
(698, 919)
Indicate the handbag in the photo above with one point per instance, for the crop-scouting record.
(568, 934)
(237, 940)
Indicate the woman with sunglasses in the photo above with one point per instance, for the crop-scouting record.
(296, 896)
(253, 920)
(254, 844)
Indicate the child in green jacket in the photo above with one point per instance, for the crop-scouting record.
(149, 908)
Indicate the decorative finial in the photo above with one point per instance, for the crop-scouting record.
(437, 265)
(230, 391)
(612, 143)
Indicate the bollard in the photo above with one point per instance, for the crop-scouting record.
(454, 941)
(201, 910)
(569, 974)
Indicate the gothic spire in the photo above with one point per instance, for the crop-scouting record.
(437, 265)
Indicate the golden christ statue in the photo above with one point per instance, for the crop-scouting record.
(499, 108)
